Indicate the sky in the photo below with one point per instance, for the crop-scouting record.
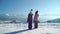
(48, 9)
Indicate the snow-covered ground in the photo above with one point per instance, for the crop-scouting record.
(44, 28)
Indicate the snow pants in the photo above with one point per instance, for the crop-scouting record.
(29, 25)
(35, 24)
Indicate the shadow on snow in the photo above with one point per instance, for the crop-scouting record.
(20, 31)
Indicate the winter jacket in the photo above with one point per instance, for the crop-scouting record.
(29, 19)
(36, 17)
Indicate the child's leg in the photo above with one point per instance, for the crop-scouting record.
(36, 25)
(30, 25)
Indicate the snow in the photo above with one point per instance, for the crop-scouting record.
(44, 28)
(42, 31)
(4, 28)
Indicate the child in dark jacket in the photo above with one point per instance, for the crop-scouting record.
(29, 20)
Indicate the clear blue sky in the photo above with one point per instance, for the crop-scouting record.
(48, 9)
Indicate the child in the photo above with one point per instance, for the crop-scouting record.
(36, 19)
(29, 20)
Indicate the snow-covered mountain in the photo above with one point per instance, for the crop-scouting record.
(12, 18)
(54, 20)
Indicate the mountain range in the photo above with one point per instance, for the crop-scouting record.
(54, 20)
(23, 19)
(6, 18)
